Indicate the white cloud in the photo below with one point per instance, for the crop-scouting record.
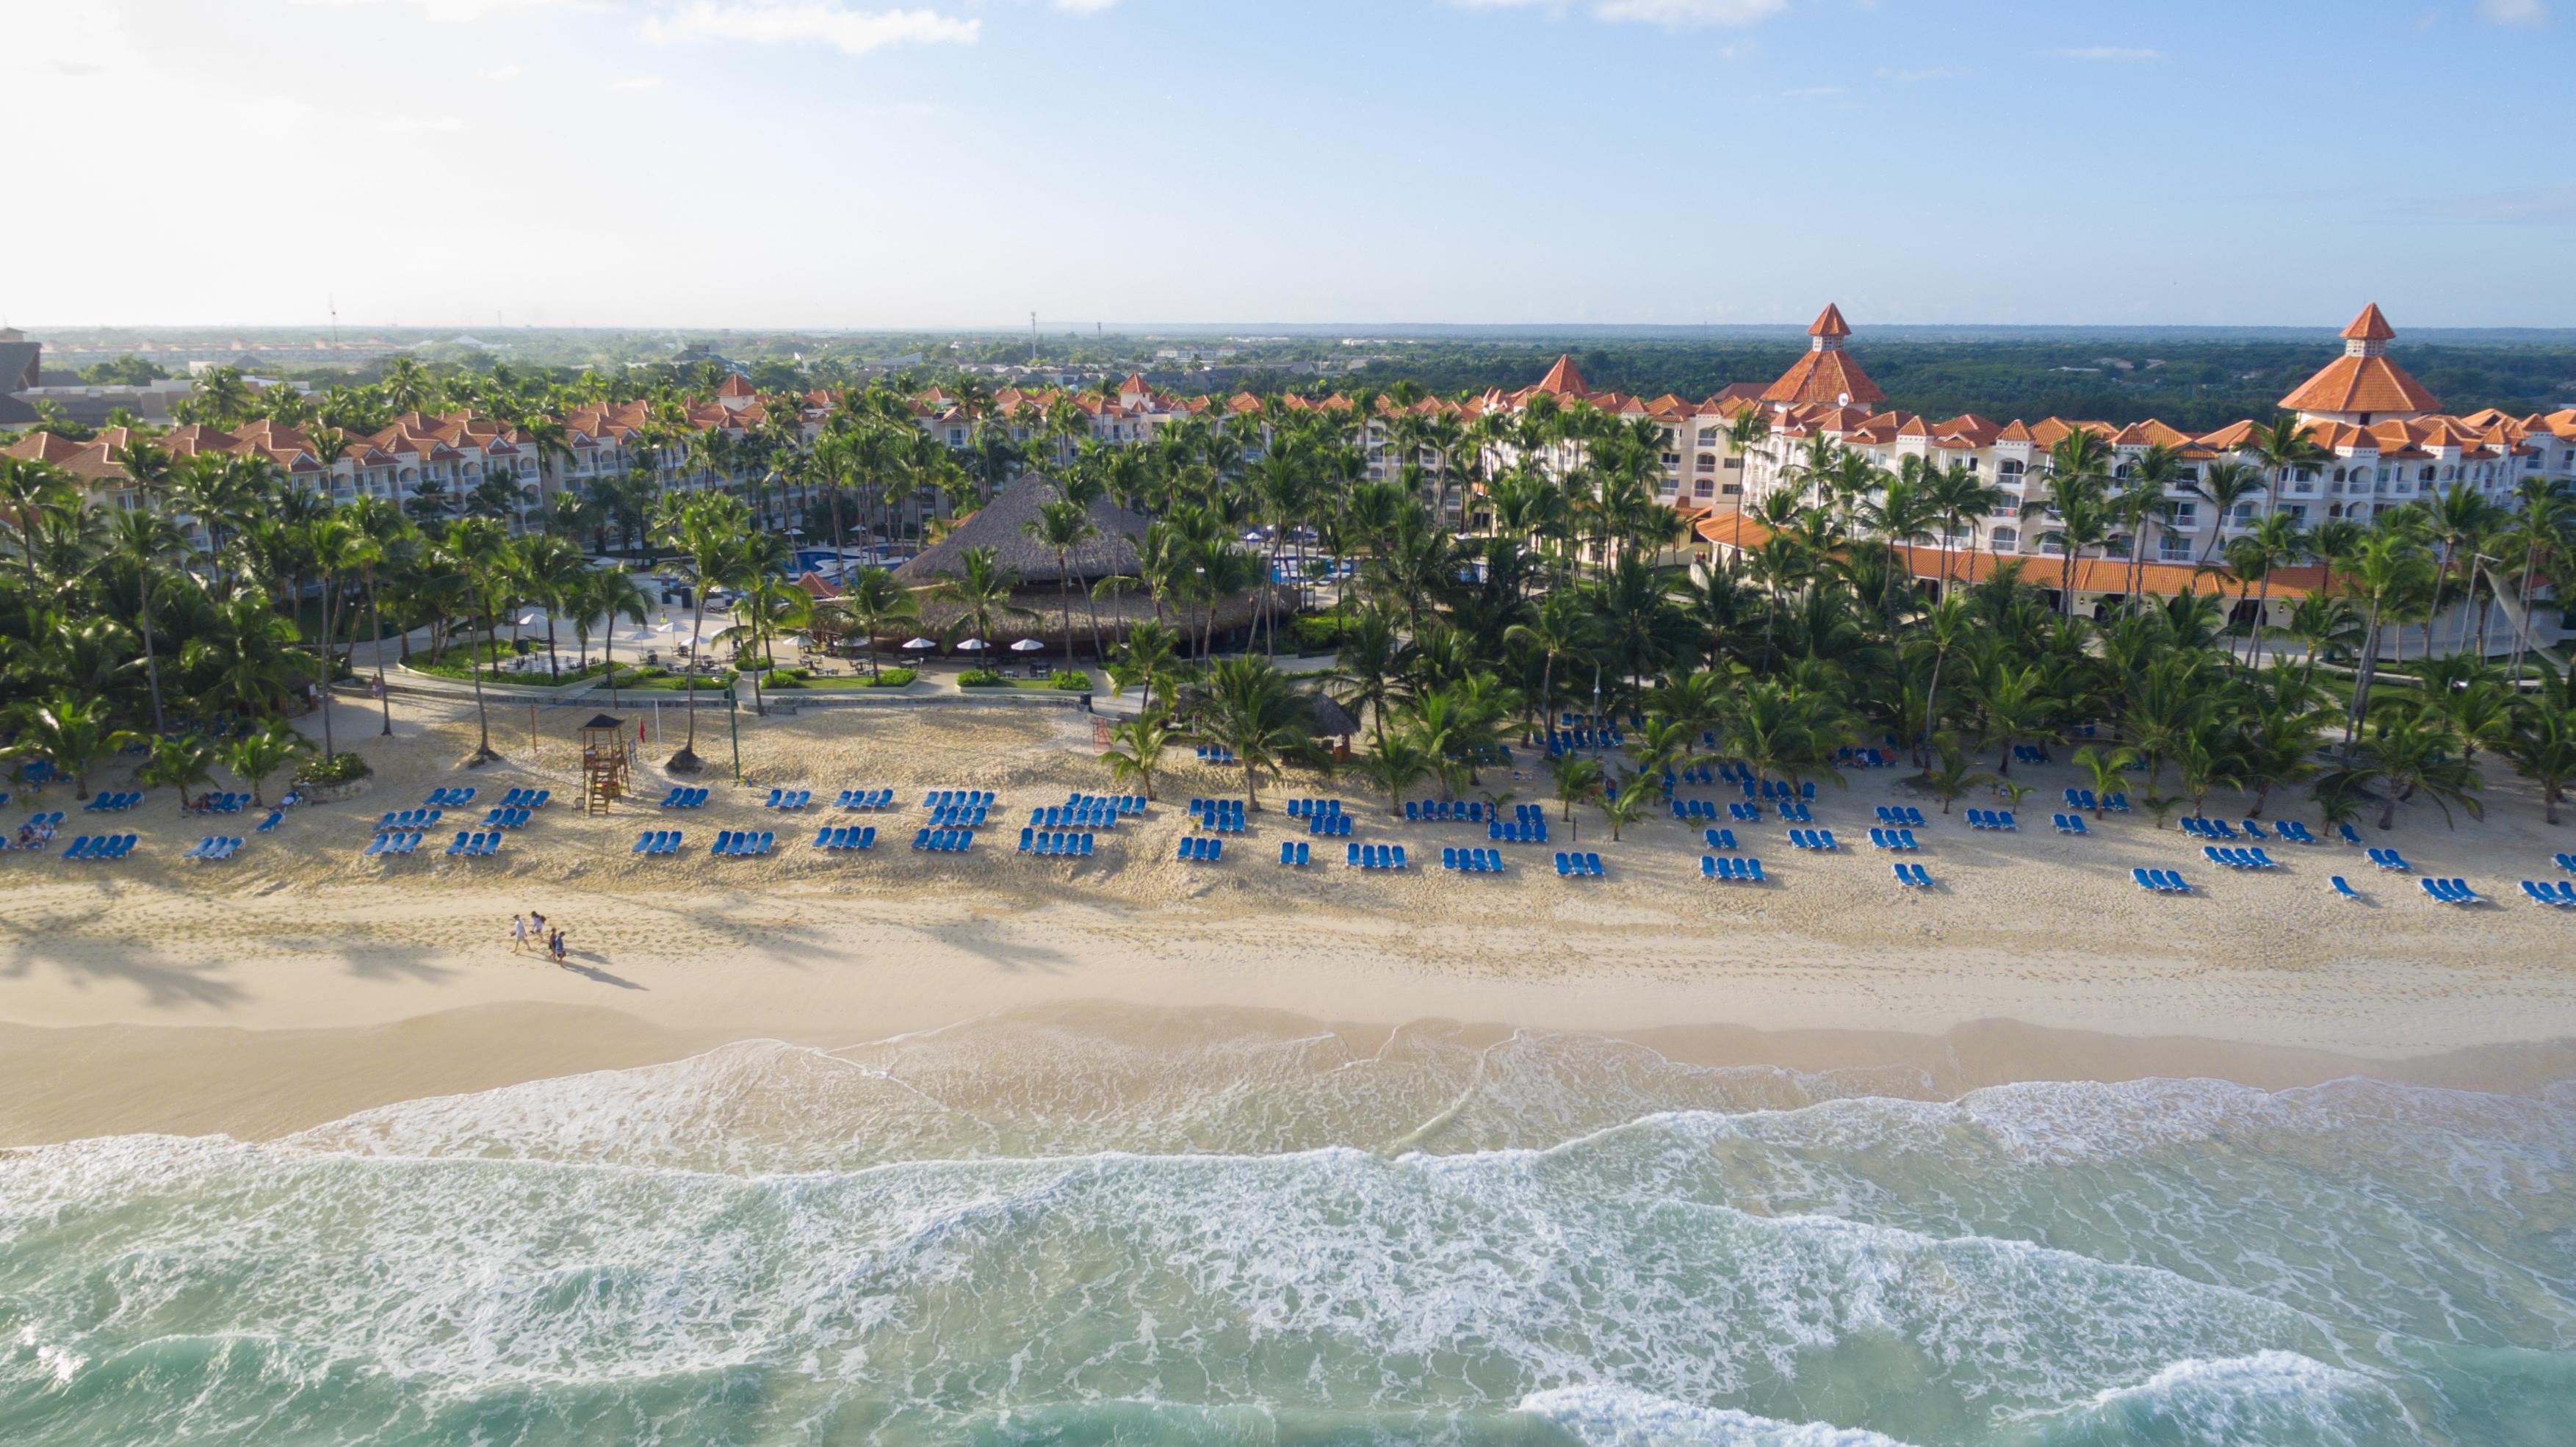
(504, 73)
(2124, 53)
(472, 9)
(1670, 14)
(1084, 7)
(418, 125)
(637, 82)
(809, 22)
(2515, 12)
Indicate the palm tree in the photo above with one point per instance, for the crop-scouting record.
(1623, 802)
(1574, 778)
(981, 588)
(146, 543)
(873, 604)
(1248, 706)
(260, 752)
(2225, 485)
(1062, 525)
(708, 529)
(28, 488)
(2016, 705)
(1955, 775)
(2403, 758)
(1395, 765)
(1136, 748)
(68, 731)
(2542, 748)
(2106, 772)
(609, 595)
(244, 655)
(179, 763)
(478, 549)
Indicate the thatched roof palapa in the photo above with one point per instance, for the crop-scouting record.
(1002, 526)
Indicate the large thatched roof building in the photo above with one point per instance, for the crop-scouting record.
(1002, 525)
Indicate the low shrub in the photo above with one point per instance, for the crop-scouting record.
(1068, 681)
(342, 768)
(895, 678)
(1317, 632)
(979, 678)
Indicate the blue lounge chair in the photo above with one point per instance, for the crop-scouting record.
(1720, 839)
(2343, 888)
(2349, 837)
(1564, 865)
(2566, 862)
(1753, 870)
(1922, 877)
(2254, 830)
(269, 824)
(2173, 881)
(644, 843)
(2565, 890)
(2261, 859)
(1592, 865)
(2543, 894)
(382, 844)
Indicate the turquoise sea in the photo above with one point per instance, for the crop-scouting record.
(1046, 1231)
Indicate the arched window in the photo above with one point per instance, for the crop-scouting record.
(2003, 538)
(2009, 467)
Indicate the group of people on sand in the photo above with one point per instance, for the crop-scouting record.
(32, 835)
(532, 926)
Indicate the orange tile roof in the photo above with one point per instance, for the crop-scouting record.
(1824, 379)
(2361, 384)
(1564, 380)
(1829, 323)
(2370, 326)
(1734, 528)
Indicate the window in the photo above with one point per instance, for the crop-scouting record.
(1672, 459)
(1732, 489)
(1708, 462)
(2185, 476)
(2009, 467)
(1705, 487)
(2003, 538)
(1735, 464)
(1708, 437)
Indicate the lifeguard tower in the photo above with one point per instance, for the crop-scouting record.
(607, 759)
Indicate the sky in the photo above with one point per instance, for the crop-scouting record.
(851, 164)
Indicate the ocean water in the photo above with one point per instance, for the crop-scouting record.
(1229, 1231)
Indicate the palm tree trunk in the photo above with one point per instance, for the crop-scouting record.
(151, 666)
(328, 592)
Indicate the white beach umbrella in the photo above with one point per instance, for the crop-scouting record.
(973, 645)
(918, 644)
(1028, 645)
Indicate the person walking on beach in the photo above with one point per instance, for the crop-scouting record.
(537, 927)
(518, 934)
(555, 946)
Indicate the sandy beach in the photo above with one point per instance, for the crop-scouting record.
(299, 980)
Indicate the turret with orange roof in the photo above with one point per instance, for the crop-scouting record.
(2362, 385)
(1826, 376)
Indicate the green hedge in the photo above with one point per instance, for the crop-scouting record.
(895, 678)
(979, 678)
(1317, 632)
(343, 768)
(1068, 681)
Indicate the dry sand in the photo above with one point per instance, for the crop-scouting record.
(300, 980)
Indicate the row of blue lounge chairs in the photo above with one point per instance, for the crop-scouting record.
(2161, 881)
(944, 841)
(100, 846)
(508, 819)
(392, 843)
(1052, 843)
(1570, 865)
(478, 845)
(448, 798)
(1214, 754)
(2083, 799)
(2070, 824)
(1330, 826)
(1864, 759)
(226, 803)
(2388, 859)
(2452, 891)
(1295, 853)
(1073, 816)
(1780, 791)
(960, 818)
(213, 846)
(1561, 742)
(2235, 857)
(1695, 774)
(408, 819)
(1224, 816)
(1912, 876)
(1121, 804)
(1200, 849)
(938, 799)
(684, 797)
(526, 798)
(1719, 839)
(788, 801)
(1687, 810)
(106, 803)
(1993, 819)
(2563, 861)
(1900, 840)
(1900, 816)
(858, 800)
(2556, 893)
(1373, 856)
(658, 842)
(741, 844)
(1312, 808)
(1819, 840)
(846, 837)
(1746, 871)
(1444, 811)
(1530, 831)
(1471, 861)
(2029, 754)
